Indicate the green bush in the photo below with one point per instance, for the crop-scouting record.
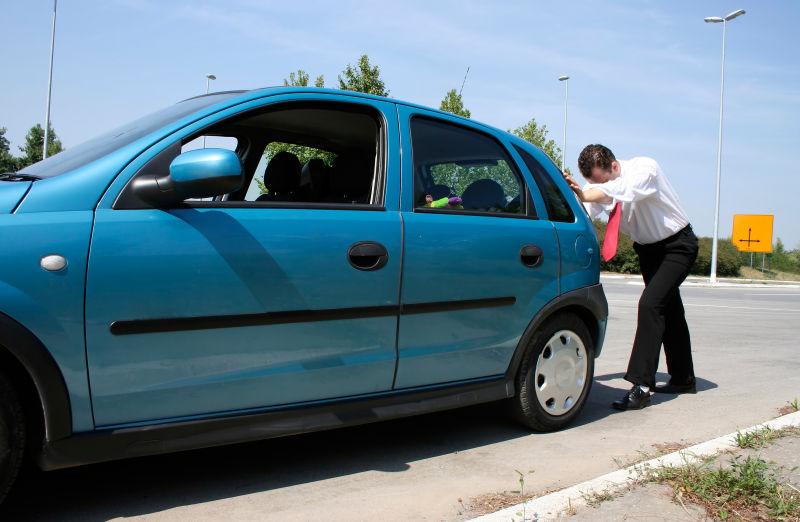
(626, 261)
(729, 261)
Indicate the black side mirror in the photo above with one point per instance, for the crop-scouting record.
(200, 173)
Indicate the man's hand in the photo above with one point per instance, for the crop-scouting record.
(574, 186)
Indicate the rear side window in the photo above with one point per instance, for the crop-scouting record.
(457, 169)
(557, 207)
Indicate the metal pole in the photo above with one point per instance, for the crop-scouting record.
(719, 162)
(50, 83)
(208, 85)
(564, 152)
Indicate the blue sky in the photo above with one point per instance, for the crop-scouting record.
(645, 74)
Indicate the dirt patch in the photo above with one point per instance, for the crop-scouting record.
(663, 448)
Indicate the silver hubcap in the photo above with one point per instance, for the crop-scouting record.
(560, 373)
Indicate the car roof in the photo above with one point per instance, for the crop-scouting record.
(271, 91)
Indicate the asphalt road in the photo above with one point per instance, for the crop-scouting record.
(746, 358)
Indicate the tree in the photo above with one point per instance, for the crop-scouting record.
(537, 135)
(454, 104)
(32, 150)
(300, 79)
(8, 163)
(363, 78)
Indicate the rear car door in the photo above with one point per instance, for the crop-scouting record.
(235, 305)
(475, 271)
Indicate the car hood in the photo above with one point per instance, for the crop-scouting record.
(11, 193)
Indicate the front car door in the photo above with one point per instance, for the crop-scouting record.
(238, 304)
(476, 268)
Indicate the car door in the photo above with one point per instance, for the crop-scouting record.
(475, 271)
(230, 306)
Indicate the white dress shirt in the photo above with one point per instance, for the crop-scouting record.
(651, 210)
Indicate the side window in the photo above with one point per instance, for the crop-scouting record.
(459, 169)
(317, 153)
(311, 159)
(557, 207)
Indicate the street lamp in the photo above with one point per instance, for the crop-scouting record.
(209, 77)
(566, 95)
(50, 82)
(724, 21)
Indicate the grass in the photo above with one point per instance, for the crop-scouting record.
(791, 407)
(763, 436)
(595, 498)
(755, 273)
(748, 489)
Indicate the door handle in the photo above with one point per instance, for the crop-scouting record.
(531, 256)
(367, 256)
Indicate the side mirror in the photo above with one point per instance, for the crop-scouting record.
(200, 173)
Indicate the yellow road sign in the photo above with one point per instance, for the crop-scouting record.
(753, 232)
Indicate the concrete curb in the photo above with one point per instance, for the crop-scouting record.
(550, 506)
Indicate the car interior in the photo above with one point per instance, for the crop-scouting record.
(316, 154)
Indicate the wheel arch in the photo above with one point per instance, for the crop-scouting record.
(38, 380)
(588, 303)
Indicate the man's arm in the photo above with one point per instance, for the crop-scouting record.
(590, 195)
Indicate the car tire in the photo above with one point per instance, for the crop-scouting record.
(12, 436)
(555, 374)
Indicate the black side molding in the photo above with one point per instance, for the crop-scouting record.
(114, 444)
(140, 326)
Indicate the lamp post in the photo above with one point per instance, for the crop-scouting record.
(724, 21)
(50, 82)
(209, 77)
(564, 79)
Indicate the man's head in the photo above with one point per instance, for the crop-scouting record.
(598, 164)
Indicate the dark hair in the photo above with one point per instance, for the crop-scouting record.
(594, 156)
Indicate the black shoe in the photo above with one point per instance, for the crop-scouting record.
(674, 387)
(636, 399)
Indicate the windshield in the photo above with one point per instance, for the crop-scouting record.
(106, 143)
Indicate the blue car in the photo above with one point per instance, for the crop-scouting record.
(253, 264)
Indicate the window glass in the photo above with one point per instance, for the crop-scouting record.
(557, 207)
(459, 169)
(310, 158)
(326, 153)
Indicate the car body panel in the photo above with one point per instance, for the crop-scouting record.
(50, 304)
(11, 193)
(451, 257)
(146, 264)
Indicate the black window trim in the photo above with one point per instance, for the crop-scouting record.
(537, 175)
(121, 202)
(530, 209)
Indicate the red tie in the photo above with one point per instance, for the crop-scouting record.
(609, 249)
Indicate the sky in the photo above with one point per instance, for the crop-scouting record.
(645, 75)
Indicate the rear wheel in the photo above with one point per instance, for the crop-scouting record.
(12, 436)
(555, 375)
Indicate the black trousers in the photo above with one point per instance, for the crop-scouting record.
(661, 319)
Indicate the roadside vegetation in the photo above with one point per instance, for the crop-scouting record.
(746, 489)
(780, 264)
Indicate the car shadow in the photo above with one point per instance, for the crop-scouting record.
(147, 485)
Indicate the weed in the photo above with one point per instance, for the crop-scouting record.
(748, 489)
(595, 498)
(791, 407)
(763, 436)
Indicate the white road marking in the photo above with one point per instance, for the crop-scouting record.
(749, 308)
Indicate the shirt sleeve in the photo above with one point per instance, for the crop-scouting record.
(638, 183)
(595, 209)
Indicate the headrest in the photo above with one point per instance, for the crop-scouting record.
(283, 173)
(484, 194)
